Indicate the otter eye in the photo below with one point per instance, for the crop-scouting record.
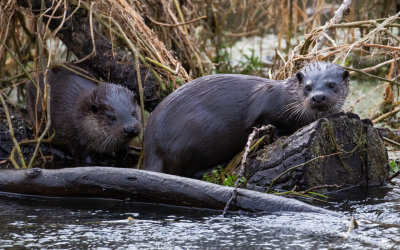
(331, 85)
(133, 114)
(308, 87)
(111, 118)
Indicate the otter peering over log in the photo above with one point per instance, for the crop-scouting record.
(207, 121)
(89, 119)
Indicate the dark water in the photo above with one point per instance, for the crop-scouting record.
(35, 222)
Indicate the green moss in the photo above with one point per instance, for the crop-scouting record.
(219, 176)
(393, 167)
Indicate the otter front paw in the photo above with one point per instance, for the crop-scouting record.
(352, 115)
(367, 121)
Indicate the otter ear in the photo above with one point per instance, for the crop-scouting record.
(94, 102)
(345, 74)
(299, 76)
(94, 108)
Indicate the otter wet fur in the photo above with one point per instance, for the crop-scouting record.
(89, 119)
(207, 121)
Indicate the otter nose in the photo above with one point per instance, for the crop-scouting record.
(130, 131)
(318, 98)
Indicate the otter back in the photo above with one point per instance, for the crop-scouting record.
(207, 121)
(88, 118)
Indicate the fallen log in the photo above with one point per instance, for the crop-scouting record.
(340, 150)
(142, 186)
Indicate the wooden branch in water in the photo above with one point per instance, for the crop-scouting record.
(142, 186)
(243, 163)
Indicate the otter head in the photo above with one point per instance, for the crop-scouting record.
(110, 118)
(324, 87)
(318, 89)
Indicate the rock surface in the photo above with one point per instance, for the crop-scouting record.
(340, 149)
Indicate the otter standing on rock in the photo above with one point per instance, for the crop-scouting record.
(89, 119)
(207, 121)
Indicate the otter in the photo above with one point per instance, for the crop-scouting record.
(89, 119)
(207, 121)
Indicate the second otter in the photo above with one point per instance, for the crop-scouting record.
(207, 121)
(89, 119)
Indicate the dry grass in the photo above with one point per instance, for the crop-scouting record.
(122, 17)
(182, 40)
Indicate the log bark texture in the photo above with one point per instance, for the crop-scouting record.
(357, 156)
(143, 186)
(112, 64)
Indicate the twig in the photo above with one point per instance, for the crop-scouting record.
(343, 10)
(392, 35)
(161, 65)
(320, 187)
(93, 52)
(12, 135)
(380, 46)
(386, 115)
(367, 23)
(243, 163)
(12, 78)
(175, 24)
(370, 75)
(372, 68)
(140, 87)
(394, 175)
(76, 72)
(351, 106)
(243, 34)
(391, 141)
(46, 86)
(48, 140)
(178, 9)
(280, 56)
(39, 140)
(353, 225)
(371, 36)
(133, 49)
(330, 39)
(20, 64)
(41, 43)
(186, 35)
(124, 38)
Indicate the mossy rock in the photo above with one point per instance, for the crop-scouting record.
(338, 150)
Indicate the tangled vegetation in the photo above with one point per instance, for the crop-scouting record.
(179, 40)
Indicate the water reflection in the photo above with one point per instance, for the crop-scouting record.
(35, 222)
